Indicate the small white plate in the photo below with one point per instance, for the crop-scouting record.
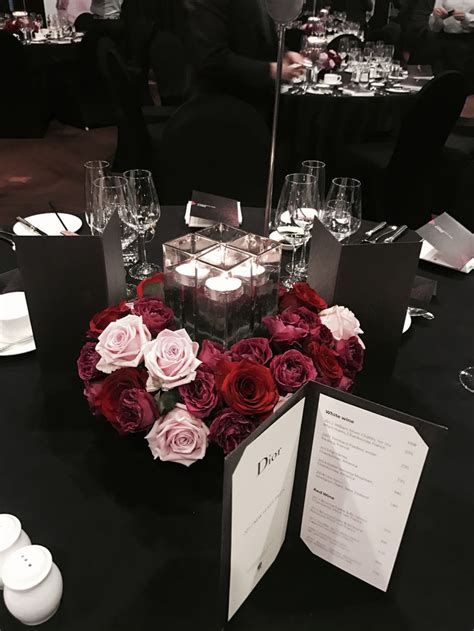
(398, 90)
(49, 223)
(19, 349)
(407, 323)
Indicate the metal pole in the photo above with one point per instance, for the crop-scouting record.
(276, 107)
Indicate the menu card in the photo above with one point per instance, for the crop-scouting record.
(448, 243)
(358, 466)
(205, 210)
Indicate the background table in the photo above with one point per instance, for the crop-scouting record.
(138, 541)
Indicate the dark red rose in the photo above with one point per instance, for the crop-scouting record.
(327, 364)
(152, 286)
(156, 315)
(92, 392)
(302, 295)
(351, 355)
(323, 335)
(292, 327)
(230, 428)
(212, 353)
(200, 396)
(125, 402)
(247, 387)
(292, 370)
(256, 349)
(87, 362)
(102, 319)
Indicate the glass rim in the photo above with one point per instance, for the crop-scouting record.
(313, 164)
(122, 181)
(94, 164)
(350, 182)
(299, 178)
(137, 174)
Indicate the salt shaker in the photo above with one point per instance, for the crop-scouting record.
(12, 537)
(33, 585)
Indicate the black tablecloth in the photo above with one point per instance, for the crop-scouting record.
(138, 541)
(42, 56)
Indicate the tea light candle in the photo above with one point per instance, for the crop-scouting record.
(12, 537)
(224, 288)
(255, 273)
(186, 273)
(33, 585)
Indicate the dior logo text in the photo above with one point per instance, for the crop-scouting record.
(265, 462)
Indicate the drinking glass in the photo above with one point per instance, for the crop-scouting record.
(294, 212)
(142, 216)
(348, 190)
(337, 218)
(466, 377)
(388, 52)
(93, 170)
(312, 48)
(318, 169)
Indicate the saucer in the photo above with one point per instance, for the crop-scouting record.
(19, 349)
(49, 223)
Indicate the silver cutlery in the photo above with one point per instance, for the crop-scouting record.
(395, 235)
(29, 225)
(370, 233)
(10, 242)
(416, 312)
(384, 234)
(20, 341)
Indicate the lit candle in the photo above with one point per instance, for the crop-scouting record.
(223, 288)
(256, 273)
(186, 273)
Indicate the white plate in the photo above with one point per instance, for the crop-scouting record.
(407, 323)
(398, 90)
(49, 223)
(19, 349)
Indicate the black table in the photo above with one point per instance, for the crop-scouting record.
(138, 541)
(50, 53)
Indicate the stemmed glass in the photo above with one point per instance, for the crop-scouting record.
(466, 377)
(313, 46)
(317, 169)
(93, 170)
(294, 212)
(349, 191)
(337, 219)
(143, 215)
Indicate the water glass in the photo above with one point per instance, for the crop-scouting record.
(349, 191)
(93, 170)
(142, 215)
(337, 219)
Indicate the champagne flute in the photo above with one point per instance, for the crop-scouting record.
(93, 170)
(348, 190)
(466, 377)
(142, 216)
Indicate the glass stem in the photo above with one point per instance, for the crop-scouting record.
(142, 248)
(303, 252)
(292, 266)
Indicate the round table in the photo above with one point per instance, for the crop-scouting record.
(45, 54)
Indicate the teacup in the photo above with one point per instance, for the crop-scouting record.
(15, 322)
(332, 79)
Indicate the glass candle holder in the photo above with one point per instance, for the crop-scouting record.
(181, 275)
(223, 295)
(222, 233)
(264, 272)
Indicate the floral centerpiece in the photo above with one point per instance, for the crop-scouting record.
(330, 60)
(19, 22)
(141, 375)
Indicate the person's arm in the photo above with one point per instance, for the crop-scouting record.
(466, 19)
(437, 17)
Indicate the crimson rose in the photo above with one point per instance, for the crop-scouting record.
(156, 315)
(87, 362)
(255, 349)
(92, 390)
(291, 370)
(326, 362)
(125, 402)
(293, 326)
(102, 319)
(212, 353)
(152, 286)
(351, 355)
(200, 396)
(230, 428)
(247, 387)
(302, 295)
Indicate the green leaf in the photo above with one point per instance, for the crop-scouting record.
(166, 401)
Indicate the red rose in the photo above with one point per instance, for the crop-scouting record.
(125, 402)
(102, 319)
(351, 355)
(152, 286)
(156, 315)
(230, 428)
(327, 364)
(247, 387)
(302, 295)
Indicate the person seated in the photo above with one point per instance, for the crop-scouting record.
(103, 19)
(234, 49)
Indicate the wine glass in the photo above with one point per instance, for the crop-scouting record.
(337, 218)
(313, 46)
(143, 215)
(466, 377)
(348, 190)
(93, 170)
(318, 169)
(295, 210)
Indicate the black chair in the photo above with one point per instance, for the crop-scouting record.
(397, 176)
(135, 140)
(170, 67)
(335, 44)
(215, 144)
(24, 107)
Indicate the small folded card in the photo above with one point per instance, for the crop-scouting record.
(348, 92)
(448, 243)
(205, 210)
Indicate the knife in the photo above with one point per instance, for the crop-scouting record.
(395, 235)
(32, 227)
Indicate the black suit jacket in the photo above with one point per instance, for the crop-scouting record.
(232, 44)
(355, 9)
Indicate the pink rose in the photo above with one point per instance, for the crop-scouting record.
(342, 323)
(121, 344)
(178, 437)
(171, 360)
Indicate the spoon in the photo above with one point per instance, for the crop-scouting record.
(416, 312)
(10, 242)
(385, 233)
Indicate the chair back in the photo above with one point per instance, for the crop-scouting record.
(133, 141)
(215, 144)
(169, 65)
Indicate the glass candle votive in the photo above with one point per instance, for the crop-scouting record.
(181, 276)
(223, 295)
(222, 233)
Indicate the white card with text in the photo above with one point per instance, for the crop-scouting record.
(362, 479)
(262, 487)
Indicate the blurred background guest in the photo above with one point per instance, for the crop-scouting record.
(453, 22)
(418, 41)
(356, 10)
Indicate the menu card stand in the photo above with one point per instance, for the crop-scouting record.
(372, 280)
(66, 281)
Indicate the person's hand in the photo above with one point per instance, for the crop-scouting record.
(292, 67)
(459, 15)
(440, 12)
